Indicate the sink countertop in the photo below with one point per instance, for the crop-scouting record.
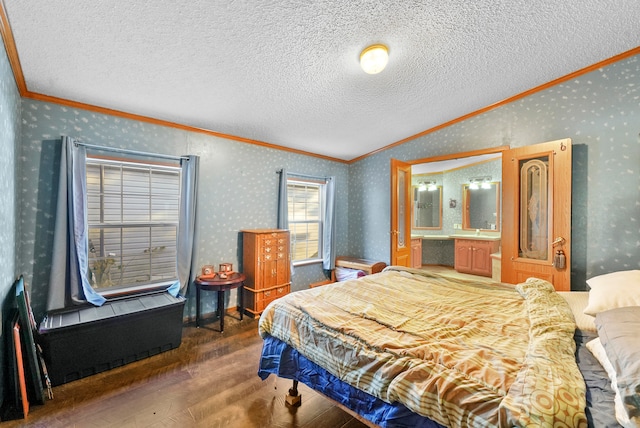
(480, 237)
(433, 237)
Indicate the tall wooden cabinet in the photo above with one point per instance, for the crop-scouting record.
(267, 265)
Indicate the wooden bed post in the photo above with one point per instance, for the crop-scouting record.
(293, 399)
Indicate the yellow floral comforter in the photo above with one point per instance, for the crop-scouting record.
(461, 353)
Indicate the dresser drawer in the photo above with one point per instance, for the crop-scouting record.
(256, 300)
(275, 245)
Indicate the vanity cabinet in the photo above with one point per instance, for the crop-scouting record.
(474, 256)
(416, 253)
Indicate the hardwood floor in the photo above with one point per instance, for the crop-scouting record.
(209, 381)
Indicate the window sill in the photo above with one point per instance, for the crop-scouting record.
(306, 262)
(132, 291)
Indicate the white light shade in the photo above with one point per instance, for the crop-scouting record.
(374, 59)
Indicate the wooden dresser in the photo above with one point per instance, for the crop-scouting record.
(267, 266)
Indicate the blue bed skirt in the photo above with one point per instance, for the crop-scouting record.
(280, 359)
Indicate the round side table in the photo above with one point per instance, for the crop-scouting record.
(234, 280)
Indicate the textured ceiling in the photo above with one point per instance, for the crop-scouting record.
(286, 72)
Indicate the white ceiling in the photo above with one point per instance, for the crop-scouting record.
(286, 72)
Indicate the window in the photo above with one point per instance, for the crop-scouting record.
(305, 207)
(132, 213)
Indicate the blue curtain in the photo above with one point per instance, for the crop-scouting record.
(69, 281)
(329, 230)
(283, 208)
(283, 205)
(186, 229)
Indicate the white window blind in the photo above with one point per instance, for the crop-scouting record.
(305, 201)
(133, 213)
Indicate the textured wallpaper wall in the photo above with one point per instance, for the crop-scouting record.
(237, 188)
(599, 111)
(9, 139)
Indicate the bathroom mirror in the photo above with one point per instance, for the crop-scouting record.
(427, 207)
(452, 174)
(481, 205)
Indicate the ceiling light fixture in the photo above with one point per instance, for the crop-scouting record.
(374, 59)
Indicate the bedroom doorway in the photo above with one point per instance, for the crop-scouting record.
(536, 211)
(536, 237)
(401, 193)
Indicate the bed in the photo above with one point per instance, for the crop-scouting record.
(412, 348)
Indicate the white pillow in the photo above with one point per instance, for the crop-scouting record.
(613, 290)
(596, 348)
(578, 300)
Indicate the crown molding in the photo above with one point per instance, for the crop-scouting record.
(14, 60)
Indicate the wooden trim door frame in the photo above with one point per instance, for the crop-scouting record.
(525, 254)
(401, 250)
(400, 213)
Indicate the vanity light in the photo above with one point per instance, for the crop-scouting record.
(477, 182)
(427, 185)
(374, 59)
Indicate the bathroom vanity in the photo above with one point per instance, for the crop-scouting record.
(473, 254)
